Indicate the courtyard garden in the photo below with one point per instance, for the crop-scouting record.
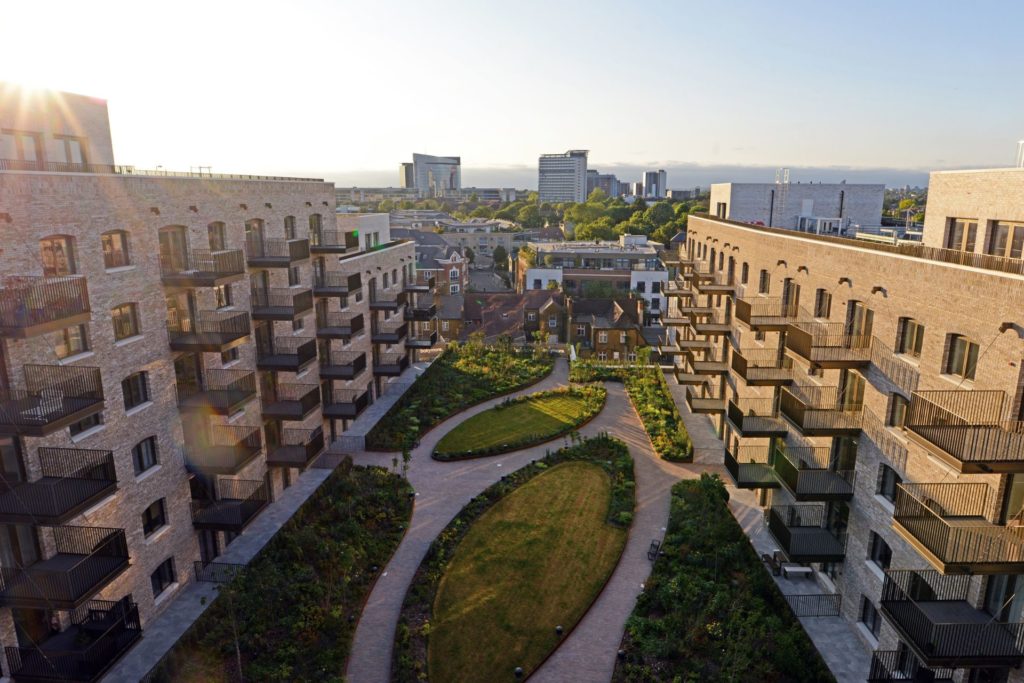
(651, 398)
(709, 610)
(464, 375)
(529, 554)
(521, 422)
(291, 613)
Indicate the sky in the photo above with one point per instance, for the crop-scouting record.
(711, 91)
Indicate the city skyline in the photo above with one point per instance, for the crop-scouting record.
(732, 99)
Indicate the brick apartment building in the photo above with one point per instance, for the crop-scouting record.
(174, 348)
(873, 395)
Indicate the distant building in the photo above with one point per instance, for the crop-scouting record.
(654, 184)
(820, 208)
(683, 195)
(606, 329)
(406, 175)
(363, 195)
(606, 182)
(563, 177)
(436, 176)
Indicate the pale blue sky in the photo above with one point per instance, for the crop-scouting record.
(350, 89)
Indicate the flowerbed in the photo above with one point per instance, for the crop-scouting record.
(417, 620)
(709, 610)
(521, 422)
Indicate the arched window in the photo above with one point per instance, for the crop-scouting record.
(58, 255)
(217, 234)
(115, 249)
(289, 227)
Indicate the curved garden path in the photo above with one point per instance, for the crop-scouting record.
(443, 488)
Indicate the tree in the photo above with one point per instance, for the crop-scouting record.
(597, 196)
(482, 212)
(386, 206)
(500, 257)
(468, 253)
(552, 285)
(907, 204)
(598, 289)
(529, 216)
(532, 197)
(601, 229)
(474, 198)
(659, 214)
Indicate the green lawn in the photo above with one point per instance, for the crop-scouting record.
(535, 560)
(521, 423)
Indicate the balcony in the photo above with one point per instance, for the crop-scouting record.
(692, 313)
(750, 467)
(714, 325)
(389, 332)
(809, 474)
(224, 449)
(967, 430)
(827, 345)
(676, 288)
(202, 268)
(894, 666)
(72, 480)
(286, 354)
(211, 331)
(707, 363)
(802, 534)
(699, 398)
(31, 305)
(718, 284)
(699, 272)
(280, 303)
(54, 397)
(821, 411)
(388, 301)
(237, 503)
(290, 401)
(333, 241)
(275, 253)
(297, 448)
(756, 417)
(342, 364)
(421, 287)
(422, 339)
(79, 562)
(934, 615)
(390, 364)
(221, 392)
(100, 633)
(763, 367)
(955, 527)
(334, 283)
(766, 314)
(336, 325)
(421, 314)
(345, 404)
(686, 376)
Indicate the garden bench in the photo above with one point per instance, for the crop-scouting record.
(652, 552)
(791, 570)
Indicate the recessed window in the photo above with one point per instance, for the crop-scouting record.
(70, 150)
(888, 480)
(879, 552)
(822, 303)
(910, 337)
(58, 255)
(216, 234)
(764, 283)
(962, 357)
(745, 273)
(135, 388)
(1005, 239)
(531, 316)
(295, 276)
(641, 287)
(622, 337)
(27, 146)
(154, 517)
(126, 321)
(71, 341)
(224, 295)
(298, 324)
(897, 411)
(144, 455)
(162, 577)
(961, 234)
(229, 356)
(386, 281)
(86, 424)
(289, 227)
(870, 617)
(115, 249)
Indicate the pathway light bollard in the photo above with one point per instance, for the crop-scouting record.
(622, 654)
(558, 631)
(518, 672)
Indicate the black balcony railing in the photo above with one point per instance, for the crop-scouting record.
(390, 364)
(705, 362)
(821, 411)
(809, 474)
(756, 417)
(967, 430)
(339, 325)
(72, 480)
(750, 467)
(335, 283)
(701, 399)
(344, 404)
(766, 313)
(54, 397)
(421, 313)
(295, 447)
(342, 364)
(289, 354)
(238, 502)
(896, 369)
(390, 332)
(31, 305)
(803, 535)
(419, 287)
(202, 267)
(223, 449)
(763, 367)
(218, 391)
(933, 613)
(953, 525)
(280, 303)
(829, 345)
(333, 241)
(421, 339)
(81, 561)
(211, 331)
(290, 401)
(894, 666)
(99, 633)
(217, 572)
(714, 325)
(275, 253)
(388, 301)
(815, 604)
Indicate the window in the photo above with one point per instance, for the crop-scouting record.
(58, 254)
(602, 355)
(897, 411)
(745, 273)
(27, 146)
(126, 321)
(1005, 239)
(622, 337)
(655, 287)
(115, 249)
(631, 356)
(602, 337)
(70, 150)
(216, 234)
(394, 275)
(135, 388)
(888, 480)
(298, 324)
(910, 337)
(764, 283)
(655, 304)
(536, 283)
(143, 455)
(531, 316)
(641, 287)
(552, 322)
(289, 227)
(71, 341)
(453, 274)
(452, 289)
(962, 357)
(444, 325)
(386, 285)
(163, 577)
(961, 234)
(869, 616)
(879, 552)
(154, 517)
(295, 275)
(86, 424)
(581, 330)
(822, 303)
(229, 356)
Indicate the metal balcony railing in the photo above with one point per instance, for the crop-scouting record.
(275, 252)
(338, 364)
(762, 367)
(802, 533)
(898, 371)
(280, 303)
(290, 401)
(828, 345)
(333, 241)
(202, 267)
(810, 475)
(766, 313)
(893, 666)
(212, 331)
(382, 300)
(389, 332)
(31, 305)
(220, 391)
(223, 449)
(238, 502)
(821, 411)
(67, 167)
(54, 397)
(750, 467)
(295, 447)
(287, 353)
(390, 364)
(336, 283)
(756, 417)
(701, 399)
(72, 480)
(344, 403)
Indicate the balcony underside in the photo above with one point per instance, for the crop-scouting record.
(990, 448)
(219, 402)
(226, 460)
(812, 544)
(389, 369)
(989, 549)
(294, 456)
(766, 377)
(756, 426)
(284, 313)
(228, 514)
(708, 329)
(386, 337)
(750, 475)
(282, 362)
(340, 371)
(44, 415)
(273, 261)
(52, 500)
(194, 279)
(343, 411)
(63, 581)
(385, 305)
(29, 329)
(818, 486)
(290, 410)
(422, 342)
(208, 342)
(710, 367)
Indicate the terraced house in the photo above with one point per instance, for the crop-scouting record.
(174, 348)
(873, 395)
